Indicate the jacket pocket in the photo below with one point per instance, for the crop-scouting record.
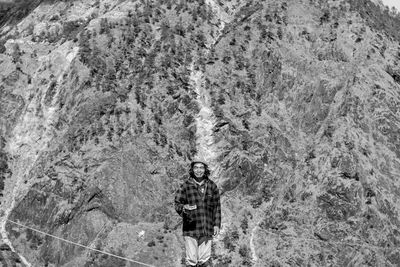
(189, 220)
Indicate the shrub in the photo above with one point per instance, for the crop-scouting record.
(2, 46)
(394, 73)
(244, 252)
(244, 224)
(230, 240)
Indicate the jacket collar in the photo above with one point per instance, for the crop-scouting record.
(192, 181)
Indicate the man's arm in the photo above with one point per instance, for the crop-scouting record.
(217, 208)
(180, 200)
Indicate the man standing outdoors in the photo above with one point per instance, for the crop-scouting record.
(198, 202)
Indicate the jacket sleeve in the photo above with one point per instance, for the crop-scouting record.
(217, 208)
(180, 200)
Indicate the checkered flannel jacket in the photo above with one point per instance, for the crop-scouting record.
(201, 221)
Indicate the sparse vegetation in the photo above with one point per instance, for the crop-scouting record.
(230, 240)
(125, 112)
(13, 12)
(244, 252)
(381, 20)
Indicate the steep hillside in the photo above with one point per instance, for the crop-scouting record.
(307, 100)
(100, 119)
(295, 103)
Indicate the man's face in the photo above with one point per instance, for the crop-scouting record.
(199, 169)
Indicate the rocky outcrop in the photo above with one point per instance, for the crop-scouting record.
(8, 257)
(98, 106)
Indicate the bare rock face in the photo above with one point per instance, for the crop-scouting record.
(97, 128)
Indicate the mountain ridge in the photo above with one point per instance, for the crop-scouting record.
(98, 117)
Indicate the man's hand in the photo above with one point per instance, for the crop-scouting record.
(189, 207)
(216, 230)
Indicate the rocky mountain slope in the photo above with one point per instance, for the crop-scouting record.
(104, 103)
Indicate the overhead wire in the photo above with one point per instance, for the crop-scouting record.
(80, 245)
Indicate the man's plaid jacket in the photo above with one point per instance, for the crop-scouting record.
(200, 221)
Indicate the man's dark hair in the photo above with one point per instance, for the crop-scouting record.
(206, 171)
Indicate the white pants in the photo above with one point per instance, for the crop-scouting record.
(196, 254)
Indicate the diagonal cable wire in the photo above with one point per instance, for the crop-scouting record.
(80, 245)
